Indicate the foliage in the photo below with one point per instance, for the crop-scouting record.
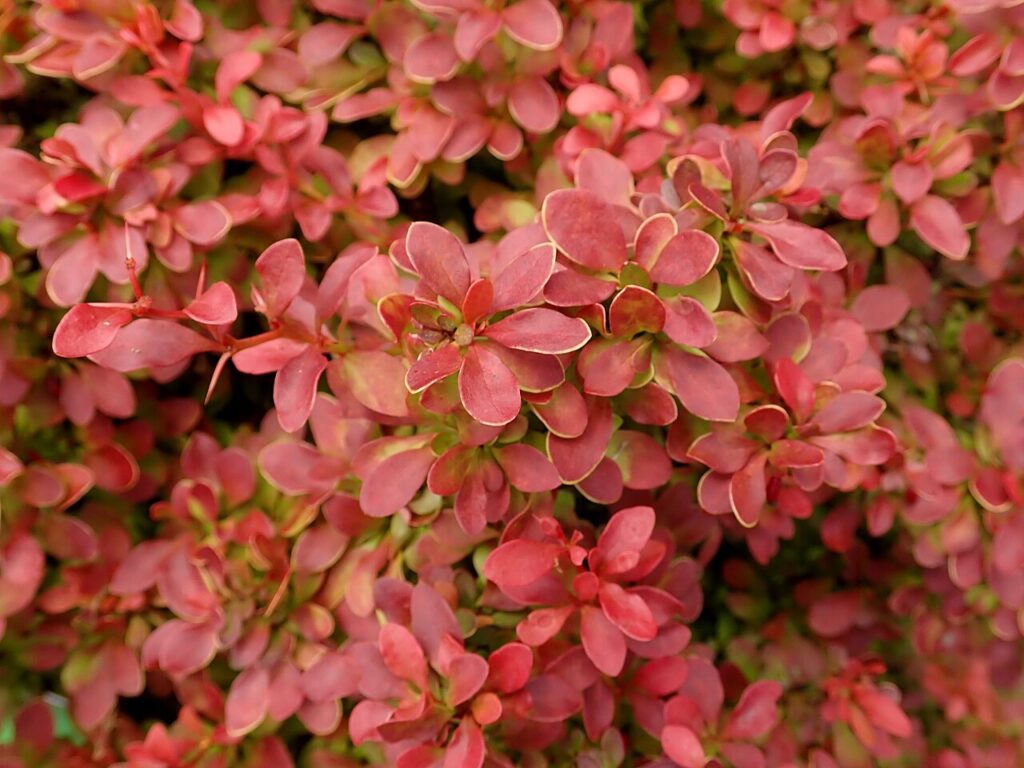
(647, 384)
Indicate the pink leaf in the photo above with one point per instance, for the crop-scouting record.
(432, 367)
(756, 713)
(216, 306)
(603, 641)
(520, 562)
(224, 124)
(748, 491)
(295, 388)
(487, 388)
(402, 654)
(540, 330)
(685, 258)
(880, 307)
(202, 223)
(527, 469)
(533, 23)
(376, 379)
(510, 667)
(88, 328)
(148, 343)
(939, 225)
(703, 386)
(522, 278)
(247, 701)
(628, 612)
(282, 271)
(533, 104)
(683, 746)
(394, 482)
(801, 246)
(467, 748)
(431, 58)
(585, 228)
(848, 411)
(438, 257)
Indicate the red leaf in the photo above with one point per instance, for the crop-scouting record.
(685, 258)
(628, 612)
(438, 257)
(295, 388)
(940, 226)
(148, 343)
(756, 713)
(688, 322)
(748, 491)
(769, 278)
(202, 223)
(533, 104)
(394, 482)
(880, 307)
(216, 306)
(683, 746)
(510, 667)
(466, 676)
(402, 654)
(585, 228)
(533, 23)
(801, 246)
(247, 701)
(794, 386)
(848, 411)
(540, 330)
(520, 562)
(703, 386)
(376, 379)
(318, 548)
(467, 748)
(88, 328)
(527, 469)
(522, 278)
(433, 366)
(487, 388)
(603, 641)
(282, 271)
(635, 310)
(576, 458)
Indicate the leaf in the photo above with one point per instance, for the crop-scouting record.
(467, 748)
(801, 246)
(402, 654)
(282, 271)
(433, 366)
(510, 667)
(627, 532)
(247, 701)
(540, 330)
(216, 306)
(318, 548)
(937, 222)
(88, 328)
(848, 411)
(202, 223)
(603, 642)
(394, 482)
(520, 562)
(585, 228)
(376, 379)
(527, 469)
(533, 23)
(628, 612)
(683, 746)
(880, 307)
(295, 388)
(439, 258)
(769, 278)
(487, 388)
(148, 343)
(522, 278)
(533, 104)
(685, 258)
(688, 322)
(635, 310)
(748, 491)
(703, 386)
(756, 713)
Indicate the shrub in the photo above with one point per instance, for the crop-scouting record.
(648, 384)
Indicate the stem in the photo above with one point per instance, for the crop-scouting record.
(237, 345)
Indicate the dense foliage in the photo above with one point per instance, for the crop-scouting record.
(451, 383)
